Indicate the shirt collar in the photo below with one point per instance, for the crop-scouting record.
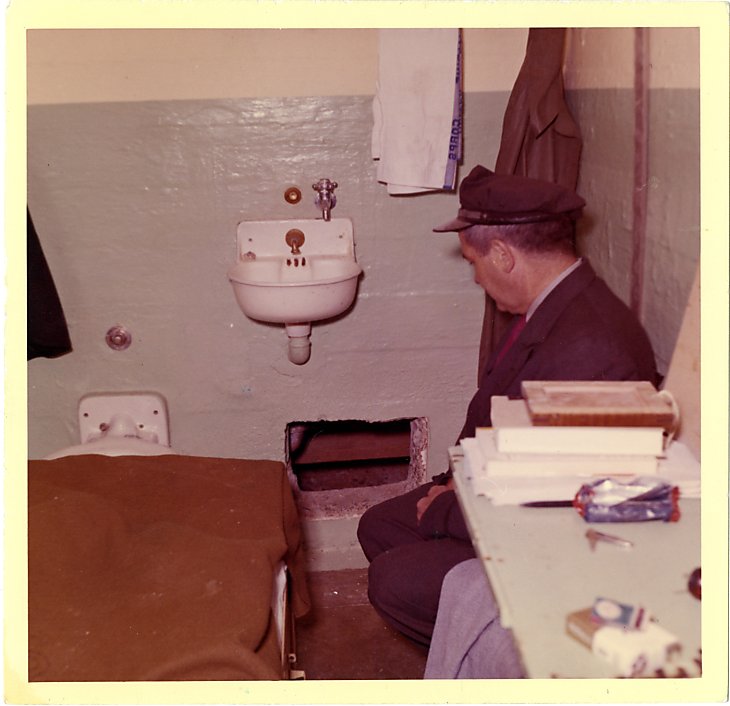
(542, 296)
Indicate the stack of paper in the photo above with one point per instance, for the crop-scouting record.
(545, 457)
(514, 442)
(515, 462)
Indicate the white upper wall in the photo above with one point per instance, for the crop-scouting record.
(111, 65)
(673, 57)
(604, 57)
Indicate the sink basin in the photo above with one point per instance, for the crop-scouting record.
(275, 289)
(283, 280)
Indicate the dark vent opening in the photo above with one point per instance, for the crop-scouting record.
(349, 454)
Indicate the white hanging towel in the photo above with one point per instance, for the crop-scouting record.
(417, 110)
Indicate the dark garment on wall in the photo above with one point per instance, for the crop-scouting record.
(540, 139)
(47, 331)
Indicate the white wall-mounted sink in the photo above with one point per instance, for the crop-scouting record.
(277, 290)
(295, 271)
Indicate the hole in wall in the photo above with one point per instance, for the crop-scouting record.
(349, 454)
(340, 468)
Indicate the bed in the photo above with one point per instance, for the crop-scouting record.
(161, 568)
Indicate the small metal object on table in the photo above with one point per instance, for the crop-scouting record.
(594, 536)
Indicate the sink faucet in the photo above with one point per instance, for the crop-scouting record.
(325, 199)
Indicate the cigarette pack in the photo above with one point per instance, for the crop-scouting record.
(609, 612)
(630, 652)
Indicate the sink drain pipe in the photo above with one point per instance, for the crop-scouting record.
(300, 347)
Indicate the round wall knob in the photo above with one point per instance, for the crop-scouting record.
(118, 338)
(292, 195)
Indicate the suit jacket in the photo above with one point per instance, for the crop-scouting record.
(582, 331)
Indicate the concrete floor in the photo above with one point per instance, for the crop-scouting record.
(344, 638)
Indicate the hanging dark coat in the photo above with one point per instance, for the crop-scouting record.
(540, 139)
(47, 331)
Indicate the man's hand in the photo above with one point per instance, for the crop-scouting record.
(423, 504)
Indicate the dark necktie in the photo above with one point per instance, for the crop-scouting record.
(512, 336)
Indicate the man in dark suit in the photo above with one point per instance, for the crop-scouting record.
(518, 235)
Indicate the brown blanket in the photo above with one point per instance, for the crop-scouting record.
(157, 568)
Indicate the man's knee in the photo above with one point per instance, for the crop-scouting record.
(390, 523)
(379, 529)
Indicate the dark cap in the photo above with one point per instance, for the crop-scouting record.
(496, 199)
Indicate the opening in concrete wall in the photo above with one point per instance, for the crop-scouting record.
(339, 468)
(349, 454)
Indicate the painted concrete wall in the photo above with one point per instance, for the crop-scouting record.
(146, 149)
(599, 78)
(137, 201)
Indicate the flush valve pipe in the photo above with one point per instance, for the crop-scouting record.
(325, 199)
(300, 345)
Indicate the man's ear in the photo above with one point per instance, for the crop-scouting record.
(501, 255)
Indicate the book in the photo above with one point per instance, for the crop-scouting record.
(624, 403)
(514, 490)
(515, 433)
(680, 468)
(498, 463)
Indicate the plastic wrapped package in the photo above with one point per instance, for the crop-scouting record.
(639, 500)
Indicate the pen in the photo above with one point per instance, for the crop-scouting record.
(548, 503)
